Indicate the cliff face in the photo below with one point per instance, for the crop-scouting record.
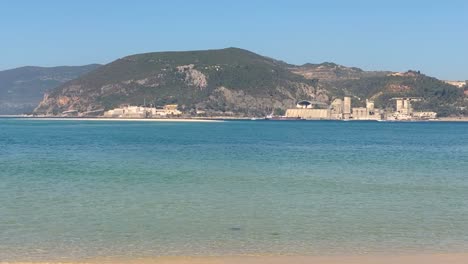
(218, 81)
(23, 88)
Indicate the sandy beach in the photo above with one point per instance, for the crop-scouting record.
(453, 119)
(376, 259)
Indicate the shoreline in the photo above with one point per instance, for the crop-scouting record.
(453, 119)
(446, 258)
(116, 119)
(216, 119)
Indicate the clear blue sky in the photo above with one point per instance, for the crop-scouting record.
(431, 36)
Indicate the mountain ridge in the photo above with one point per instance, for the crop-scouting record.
(240, 82)
(226, 80)
(22, 88)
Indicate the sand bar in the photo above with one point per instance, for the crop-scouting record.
(121, 119)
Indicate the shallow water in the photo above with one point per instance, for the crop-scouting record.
(79, 189)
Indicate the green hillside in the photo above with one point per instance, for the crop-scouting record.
(219, 81)
(242, 83)
(437, 95)
(22, 89)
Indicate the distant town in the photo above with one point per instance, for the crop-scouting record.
(339, 109)
(229, 83)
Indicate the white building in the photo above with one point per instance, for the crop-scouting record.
(142, 112)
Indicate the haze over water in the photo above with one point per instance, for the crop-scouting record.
(79, 189)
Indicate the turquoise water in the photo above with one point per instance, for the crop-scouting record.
(79, 189)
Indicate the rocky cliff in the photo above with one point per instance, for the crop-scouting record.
(22, 89)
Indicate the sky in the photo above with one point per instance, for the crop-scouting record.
(430, 36)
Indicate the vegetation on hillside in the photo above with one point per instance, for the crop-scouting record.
(437, 95)
(240, 82)
(21, 89)
(227, 80)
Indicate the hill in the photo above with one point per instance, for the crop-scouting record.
(22, 89)
(438, 96)
(218, 81)
(329, 71)
(239, 82)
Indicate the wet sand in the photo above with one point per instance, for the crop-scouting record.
(461, 258)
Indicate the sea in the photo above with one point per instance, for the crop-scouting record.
(73, 190)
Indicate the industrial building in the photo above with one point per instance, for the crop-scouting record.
(347, 107)
(341, 109)
(310, 114)
(405, 111)
(338, 110)
(367, 113)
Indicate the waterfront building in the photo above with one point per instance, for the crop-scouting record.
(424, 115)
(307, 113)
(336, 109)
(347, 107)
(360, 113)
(129, 111)
(342, 110)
